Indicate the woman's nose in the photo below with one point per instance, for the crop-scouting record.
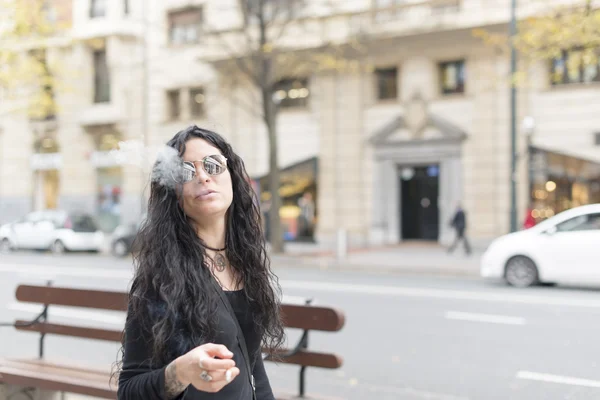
(201, 174)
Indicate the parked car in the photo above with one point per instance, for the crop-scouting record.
(123, 239)
(562, 249)
(56, 230)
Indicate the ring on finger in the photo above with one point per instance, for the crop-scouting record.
(205, 376)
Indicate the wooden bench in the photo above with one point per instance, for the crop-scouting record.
(47, 375)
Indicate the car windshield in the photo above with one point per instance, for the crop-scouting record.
(83, 223)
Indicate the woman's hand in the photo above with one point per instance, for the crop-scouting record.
(208, 368)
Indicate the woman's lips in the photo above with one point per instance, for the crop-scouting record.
(205, 194)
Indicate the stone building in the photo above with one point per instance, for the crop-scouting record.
(63, 161)
(385, 154)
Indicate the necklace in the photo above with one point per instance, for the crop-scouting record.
(217, 250)
(219, 262)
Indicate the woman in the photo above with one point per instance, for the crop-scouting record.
(201, 271)
(529, 219)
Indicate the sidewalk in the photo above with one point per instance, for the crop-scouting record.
(413, 258)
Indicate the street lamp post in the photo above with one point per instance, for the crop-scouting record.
(144, 106)
(513, 118)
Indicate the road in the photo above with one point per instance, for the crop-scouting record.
(406, 337)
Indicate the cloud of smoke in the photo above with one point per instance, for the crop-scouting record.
(168, 167)
(164, 161)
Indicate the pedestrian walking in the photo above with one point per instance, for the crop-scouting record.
(459, 224)
(529, 219)
(203, 300)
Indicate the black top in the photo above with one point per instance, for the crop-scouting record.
(459, 222)
(139, 381)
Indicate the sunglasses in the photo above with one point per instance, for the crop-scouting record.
(212, 165)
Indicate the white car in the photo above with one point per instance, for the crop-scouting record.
(561, 249)
(57, 231)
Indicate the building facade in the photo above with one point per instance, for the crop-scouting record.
(63, 161)
(385, 153)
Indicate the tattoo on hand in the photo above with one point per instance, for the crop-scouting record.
(173, 387)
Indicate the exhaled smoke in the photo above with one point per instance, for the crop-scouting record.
(168, 167)
(165, 161)
(130, 152)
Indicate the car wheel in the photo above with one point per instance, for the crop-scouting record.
(58, 247)
(521, 272)
(120, 248)
(5, 246)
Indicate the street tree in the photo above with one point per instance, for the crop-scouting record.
(570, 33)
(28, 79)
(272, 42)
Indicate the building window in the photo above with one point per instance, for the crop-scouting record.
(272, 10)
(597, 138)
(562, 75)
(452, 77)
(387, 83)
(126, 9)
(292, 93)
(101, 78)
(185, 26)
(97, 8)
(387, 10)
(442, 7)
(173, 104)
(197, 102)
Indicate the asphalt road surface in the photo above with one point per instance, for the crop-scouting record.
(406, 337)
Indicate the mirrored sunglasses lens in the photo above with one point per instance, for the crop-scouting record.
(214, 165)
(188, 172)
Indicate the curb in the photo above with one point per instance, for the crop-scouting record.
(327, 265)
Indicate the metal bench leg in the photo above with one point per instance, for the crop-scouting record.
(44, 319)
(302, 372)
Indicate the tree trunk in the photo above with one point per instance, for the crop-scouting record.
(277, 244)
(266, 66)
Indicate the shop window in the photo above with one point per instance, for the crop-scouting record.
(47, 189)
(185, 26)
(585, 73)
(110, 182)
(299, 194)
(197, 102)
(559, 182)
(387, 83)
(452, 77)
(292, 93)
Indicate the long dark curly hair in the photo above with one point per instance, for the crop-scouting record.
(172, 295)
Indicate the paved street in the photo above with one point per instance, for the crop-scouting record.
(406, 336)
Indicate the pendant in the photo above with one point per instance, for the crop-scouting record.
(220, 263)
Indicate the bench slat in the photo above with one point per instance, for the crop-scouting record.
(97, 299)
(311, 359)
(312, 317)
(76, 331)
(58, 379)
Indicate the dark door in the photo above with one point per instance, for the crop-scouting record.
(419, 187)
